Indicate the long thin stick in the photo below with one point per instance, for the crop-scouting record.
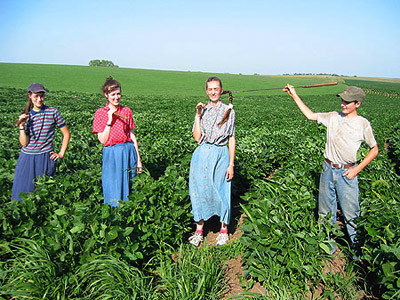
(117, 114)
(297, 87)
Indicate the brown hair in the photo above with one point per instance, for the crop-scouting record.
(228, 112)
(213, 79)
(110, 85)
(28, 107)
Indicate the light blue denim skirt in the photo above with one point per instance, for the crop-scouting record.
(209, 191)
(119, 168)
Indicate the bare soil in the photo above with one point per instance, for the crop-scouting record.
(239, 286)
(236, 282)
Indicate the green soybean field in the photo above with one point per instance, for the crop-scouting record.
(62, 242)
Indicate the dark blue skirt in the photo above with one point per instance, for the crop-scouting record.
(29, 168)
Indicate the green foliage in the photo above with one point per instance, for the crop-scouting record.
(194, 274)
(284, 241)
(110, 278)
(374, 85)
(101, 63)
(381, 237)
(285, 245)
(144, 82)
(29, 273)
(62, 232)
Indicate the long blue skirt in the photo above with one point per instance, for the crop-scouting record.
(29, 168)
(209, 191)
(119, 168)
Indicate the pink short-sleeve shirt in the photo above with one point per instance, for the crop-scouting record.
(120, 127)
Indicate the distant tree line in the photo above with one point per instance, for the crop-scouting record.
(102, 63)
(325, 74)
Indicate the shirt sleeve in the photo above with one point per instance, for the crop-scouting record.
(59, 119)
(369, 136)
(131, 123)
(323, 118)
(99, 121)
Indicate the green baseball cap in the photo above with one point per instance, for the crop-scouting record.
(351, 94)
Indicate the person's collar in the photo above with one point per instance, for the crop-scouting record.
(348, 117)
(219, 103)
(40, 111)
(108, 106)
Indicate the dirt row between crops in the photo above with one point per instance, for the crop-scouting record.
(238, 284)
(236, 281)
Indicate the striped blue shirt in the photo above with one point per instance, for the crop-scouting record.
(40, 127)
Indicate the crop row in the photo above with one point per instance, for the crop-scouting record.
(278, 161)
(281, 233)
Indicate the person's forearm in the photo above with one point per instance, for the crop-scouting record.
(353, 172)
(65, 141)
(373, 152)
(23, 137)
(307, 112)
(103, 136)
(197, 128)
(135, 144)
(232, 150)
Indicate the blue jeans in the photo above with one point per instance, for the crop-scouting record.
(332, 184)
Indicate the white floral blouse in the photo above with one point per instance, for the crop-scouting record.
(211, 132)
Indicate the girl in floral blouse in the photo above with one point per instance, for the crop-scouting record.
(211, 167)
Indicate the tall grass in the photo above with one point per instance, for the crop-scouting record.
(194, 275)
(106, 277)
(29, 273)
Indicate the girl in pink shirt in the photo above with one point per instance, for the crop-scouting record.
(114, 126)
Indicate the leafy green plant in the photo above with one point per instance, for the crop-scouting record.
(29, 273)
(191, 273)
(107, 277)
(277, 167)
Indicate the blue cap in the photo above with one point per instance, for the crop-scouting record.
(36, 88)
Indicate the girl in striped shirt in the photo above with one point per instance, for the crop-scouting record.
(37, 127)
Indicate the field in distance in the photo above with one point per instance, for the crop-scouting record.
(148, 82)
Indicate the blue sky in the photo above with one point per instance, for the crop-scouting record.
(359, 38)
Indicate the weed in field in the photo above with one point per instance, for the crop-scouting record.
(193, 274)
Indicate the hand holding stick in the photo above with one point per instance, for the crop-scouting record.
(291, 90)
(199, 108)
(119, 115)
(21, 119)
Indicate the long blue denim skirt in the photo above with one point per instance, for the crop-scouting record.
(29, 167)
(210, 192)
(119, 168)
